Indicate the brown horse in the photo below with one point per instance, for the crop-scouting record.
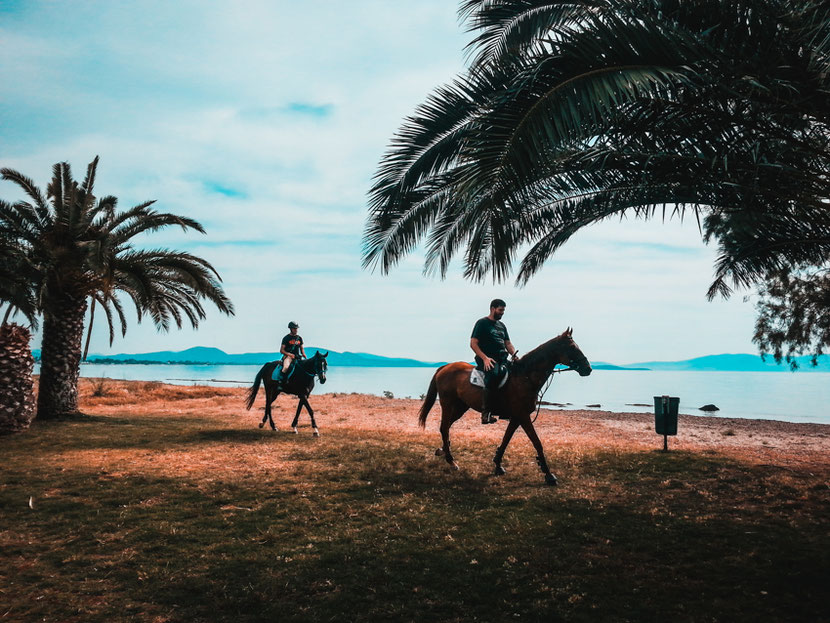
(516, 400)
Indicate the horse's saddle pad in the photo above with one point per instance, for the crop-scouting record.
(477, 378)
(275, 375)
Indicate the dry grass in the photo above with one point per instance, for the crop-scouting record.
(169, 504)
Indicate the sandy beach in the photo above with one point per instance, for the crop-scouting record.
(784, 444)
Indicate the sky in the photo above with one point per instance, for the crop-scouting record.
(266, 121)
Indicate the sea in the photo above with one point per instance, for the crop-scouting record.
(785, 396)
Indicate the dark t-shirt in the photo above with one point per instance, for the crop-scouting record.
(292, 344)
(491, 336)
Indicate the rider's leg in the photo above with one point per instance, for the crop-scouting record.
(286, 363)
(491, 380)
(487, 416)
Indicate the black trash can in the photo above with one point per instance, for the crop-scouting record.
(665, 417)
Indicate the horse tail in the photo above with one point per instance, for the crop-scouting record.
(429, 399)
(254, 389)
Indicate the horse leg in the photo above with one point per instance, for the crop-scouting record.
(527, 425)
(267, 406)
(445, 446)
(449, 414)
(512, 425)
(297, 415)
(268, 400)
(311, 415)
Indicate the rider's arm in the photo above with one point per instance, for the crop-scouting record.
(302, 352)
(488, 362)
(510, 348)
(283, 352)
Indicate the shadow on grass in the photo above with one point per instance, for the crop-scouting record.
(124, 433)
(381, 542)
(369, 525)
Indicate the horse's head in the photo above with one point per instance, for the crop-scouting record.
(576, 359)
(320, 366)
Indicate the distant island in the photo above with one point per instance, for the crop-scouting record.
(601, 365)
(735, 363)
(203, 355)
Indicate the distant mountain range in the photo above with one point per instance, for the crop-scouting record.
(208, 355)
(736, 363)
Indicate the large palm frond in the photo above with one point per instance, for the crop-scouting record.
(163, 283)
(17, 287)
(576, 112)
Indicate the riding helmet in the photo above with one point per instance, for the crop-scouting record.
(293, 325)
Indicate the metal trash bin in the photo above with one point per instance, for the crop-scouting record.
(665, 417)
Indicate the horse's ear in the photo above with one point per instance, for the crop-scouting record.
(327, 354)
(570, 331)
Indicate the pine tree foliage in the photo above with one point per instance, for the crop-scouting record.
(793, 318)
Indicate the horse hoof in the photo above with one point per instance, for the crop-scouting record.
(316, 433)
(294, 428)
(500, 471)
(261, 424)
(455, 466)
(550, 480)
(439, 452)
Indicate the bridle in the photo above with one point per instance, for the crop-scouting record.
(318, 368)
(580, 364)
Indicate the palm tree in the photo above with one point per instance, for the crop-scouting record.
(17, 402)
(17, 406)
(80, 248)
(572, 113)
(16, 279)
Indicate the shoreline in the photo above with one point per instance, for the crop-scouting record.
(795, 399)
(758, 441)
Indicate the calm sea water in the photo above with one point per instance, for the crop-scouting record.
(791, 397)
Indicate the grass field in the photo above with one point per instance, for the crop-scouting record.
(167, 505)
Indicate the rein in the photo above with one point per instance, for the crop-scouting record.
(311, 374)
(545, 390)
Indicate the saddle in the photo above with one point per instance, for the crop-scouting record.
(275, 375)
(477, 378)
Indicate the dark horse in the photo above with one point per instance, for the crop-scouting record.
(515, 400)
(299, 383)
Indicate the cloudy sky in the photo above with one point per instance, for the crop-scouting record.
(265, 121)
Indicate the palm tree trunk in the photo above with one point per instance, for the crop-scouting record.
(60, 356)
(17, 396)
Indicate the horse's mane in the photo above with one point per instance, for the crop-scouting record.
(307, 364)
(539, 355)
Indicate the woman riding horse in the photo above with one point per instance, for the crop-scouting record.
(300, 382)
(516, 400)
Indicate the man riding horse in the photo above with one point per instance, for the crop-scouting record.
(491, 344)
(291, 348)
